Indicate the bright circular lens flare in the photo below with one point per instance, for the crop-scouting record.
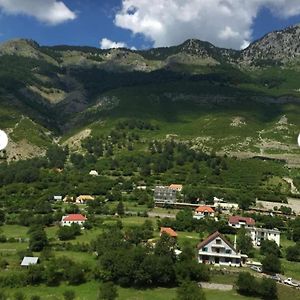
(3, 140)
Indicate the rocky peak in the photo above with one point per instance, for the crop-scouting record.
(279, 47)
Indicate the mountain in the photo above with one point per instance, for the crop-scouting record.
(237, 102)
(276, 48)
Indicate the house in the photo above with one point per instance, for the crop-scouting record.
(241, 222)
(215, 249)
(169, 231)
(73, 219)
(176, 187)
(223, 205)
(261, 234)
(84, 198)
(28, 260)
(68, 198)
(203, 211)
(164, 194)
(93, 173)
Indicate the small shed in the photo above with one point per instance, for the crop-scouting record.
(28, 260)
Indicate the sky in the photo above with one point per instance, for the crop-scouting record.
(141, 24)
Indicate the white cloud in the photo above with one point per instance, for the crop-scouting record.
(108, 44)
(225, 23)
(52, 12)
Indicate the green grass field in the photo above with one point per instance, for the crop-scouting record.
(88, 291)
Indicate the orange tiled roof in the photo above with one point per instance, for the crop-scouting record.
(175, 186)
(168, 231)
(204, 208)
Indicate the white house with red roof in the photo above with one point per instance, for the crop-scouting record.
(203, 211)
(217, 250)
(241, 222)
(73, 219)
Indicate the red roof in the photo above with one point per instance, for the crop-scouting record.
(74, 217)
(204, 209)
(168, 231)
(237, 219)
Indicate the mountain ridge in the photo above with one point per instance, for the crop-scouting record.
(66, 89)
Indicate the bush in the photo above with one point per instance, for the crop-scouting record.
(293, 253)
(247, 284)
(65, 233)
(190, 290)
(270, 247)
(268, 289)
(107, 291)
(271, 264)
(69, 295)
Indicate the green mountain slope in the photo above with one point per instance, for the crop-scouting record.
(236, 102)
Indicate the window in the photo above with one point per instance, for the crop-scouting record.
(228, 251)
(204, 249)
(218, 241)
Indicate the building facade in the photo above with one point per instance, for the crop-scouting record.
(73, 219)
(164, 194)
(216, 250)
(261, 234)
(203, 211)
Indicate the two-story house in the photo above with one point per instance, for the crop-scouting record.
(216, 249)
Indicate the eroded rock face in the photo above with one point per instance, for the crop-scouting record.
(281, 47)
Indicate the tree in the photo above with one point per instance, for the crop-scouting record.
(293, 253)
(120, 209)
(35, 274)
(65, 233)
(189, 290)
(165, 246)
(37, 239)
(268, 289)
(244, 242)
(269, 247)
(75, 274)
(107, 291)
(69, 295)
(271, 264)
(247, 284)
